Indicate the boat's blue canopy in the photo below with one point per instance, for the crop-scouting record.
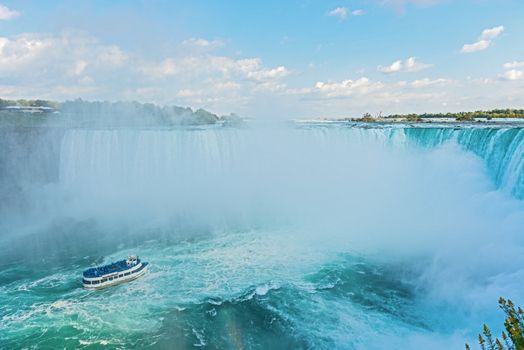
(106, 269)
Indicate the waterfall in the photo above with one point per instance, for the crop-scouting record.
(135, 157)
(138, 157)
(502, 150)
(207, 164)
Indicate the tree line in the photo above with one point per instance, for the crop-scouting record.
(492, 114)
(104, 113)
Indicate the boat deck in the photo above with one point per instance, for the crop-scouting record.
(100, 271)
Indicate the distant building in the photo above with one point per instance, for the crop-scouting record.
(29, 109)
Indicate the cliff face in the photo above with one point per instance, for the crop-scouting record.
(29, 156)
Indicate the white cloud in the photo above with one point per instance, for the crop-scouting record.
(409, 65)
(428, 82)
(346, 87)
(7, 14)
(344, 12)
(23, 49)
(393, 68)
(478, 46)
(226, 85)
(350, 98)
(166, 67)
(57, 66)
(365, 88)
(513, 65)
(492, 33)
(274, 73)
(269, 86)
(74, 64)
(513, 74)
(202, 43)
(72, 91)
(189, 93)
(112, 55)
(484, 41)
(341, 12)
(70, 54)
(247, 65)
(201, 67)
(79, 67)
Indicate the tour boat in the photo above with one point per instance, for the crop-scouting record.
(114, 273)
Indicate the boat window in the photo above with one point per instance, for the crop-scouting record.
(87, 282)
(94, 282)
(104, 280)
(121, 275)
(127, 273)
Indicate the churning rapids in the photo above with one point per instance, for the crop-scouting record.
(308, 236)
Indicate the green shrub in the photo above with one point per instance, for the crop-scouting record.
(513, 337)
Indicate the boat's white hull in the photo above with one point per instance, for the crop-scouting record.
(117, 280)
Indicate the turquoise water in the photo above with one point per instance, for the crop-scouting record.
(501, 149)
(313, 237)
(229, 291)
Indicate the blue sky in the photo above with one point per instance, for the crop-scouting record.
(270, 59)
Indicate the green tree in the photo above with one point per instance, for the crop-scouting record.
(514, 325)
